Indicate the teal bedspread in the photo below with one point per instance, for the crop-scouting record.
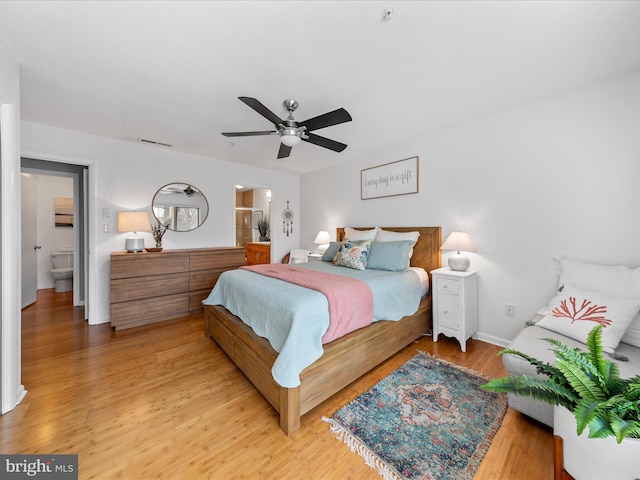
(295, 318)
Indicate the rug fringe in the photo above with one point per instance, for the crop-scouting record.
(371, 460)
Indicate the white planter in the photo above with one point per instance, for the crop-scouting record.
(595, 458)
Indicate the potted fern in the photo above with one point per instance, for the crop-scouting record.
(587, 392)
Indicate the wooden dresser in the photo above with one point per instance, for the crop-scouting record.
(151, 287)
(258, 252)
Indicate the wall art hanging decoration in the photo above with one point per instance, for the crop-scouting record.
(63, 212)
(395, 178)
(287, 220)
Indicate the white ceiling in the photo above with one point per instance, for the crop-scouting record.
(172, 71)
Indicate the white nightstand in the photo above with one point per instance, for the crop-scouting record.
(454, 304)
(313, 257)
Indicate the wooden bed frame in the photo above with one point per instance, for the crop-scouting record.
(344, 360)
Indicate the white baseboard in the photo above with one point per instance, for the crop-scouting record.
(501, 342)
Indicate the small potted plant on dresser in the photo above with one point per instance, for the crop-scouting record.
(157, 230)
(587, 393)
(263, 229)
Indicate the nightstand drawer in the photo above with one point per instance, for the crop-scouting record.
(447, 285)
(448, 311)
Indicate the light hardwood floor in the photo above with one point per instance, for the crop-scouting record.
(164, 401)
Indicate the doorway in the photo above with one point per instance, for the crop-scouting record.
(71, 231)
(251, 205)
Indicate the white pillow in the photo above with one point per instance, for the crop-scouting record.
(356, 235)
(574, 312)
(388, 236)
(617, 281)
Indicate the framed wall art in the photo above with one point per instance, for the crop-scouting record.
(63, 209)
(395, 178)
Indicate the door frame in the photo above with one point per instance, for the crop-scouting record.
(77, 174)
(90, 216)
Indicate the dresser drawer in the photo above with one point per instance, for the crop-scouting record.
(224, 258)
(447, 285)
(149, 310)
(126, 289)
(204, 279)
(144, 264)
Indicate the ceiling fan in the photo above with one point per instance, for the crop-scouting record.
(292, 132)
(189, 191)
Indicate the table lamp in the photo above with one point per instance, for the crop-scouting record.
(458, 241)
(322, 240)
(134, 222)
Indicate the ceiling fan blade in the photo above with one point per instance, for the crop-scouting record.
(248, 134)
(326, 120)
(262, 110)
(284, 151)
(324, 142)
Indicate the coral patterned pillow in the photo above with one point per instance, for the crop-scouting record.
(353, 254)
(574, 312)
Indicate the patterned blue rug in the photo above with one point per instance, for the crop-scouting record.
(429, 419)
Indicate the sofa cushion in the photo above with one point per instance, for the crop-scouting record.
(615, 280)
(575, 311)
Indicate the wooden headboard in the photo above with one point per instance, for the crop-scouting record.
(426, 252)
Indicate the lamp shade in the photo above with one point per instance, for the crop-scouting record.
(133, 222)
(458, 241)
(322, 238)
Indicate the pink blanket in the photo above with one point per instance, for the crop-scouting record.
(350, 300)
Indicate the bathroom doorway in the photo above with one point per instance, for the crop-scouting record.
(252, 204)
(59, 226)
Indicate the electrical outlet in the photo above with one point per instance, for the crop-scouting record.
(509, 309)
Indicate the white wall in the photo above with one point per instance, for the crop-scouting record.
(554, 177)
(127, 177)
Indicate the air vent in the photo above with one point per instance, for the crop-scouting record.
(153, 142)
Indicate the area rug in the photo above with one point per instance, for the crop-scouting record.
(428, 419)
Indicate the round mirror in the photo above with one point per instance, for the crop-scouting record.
(180, 206)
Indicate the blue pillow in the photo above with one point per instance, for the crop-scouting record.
(392, 256)
(331, 251)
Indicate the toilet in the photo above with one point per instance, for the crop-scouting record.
(62, 271)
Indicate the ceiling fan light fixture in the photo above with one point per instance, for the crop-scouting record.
(290, 136)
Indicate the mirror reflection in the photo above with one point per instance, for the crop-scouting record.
(180, 206)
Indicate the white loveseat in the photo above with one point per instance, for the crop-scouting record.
(612, 286)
